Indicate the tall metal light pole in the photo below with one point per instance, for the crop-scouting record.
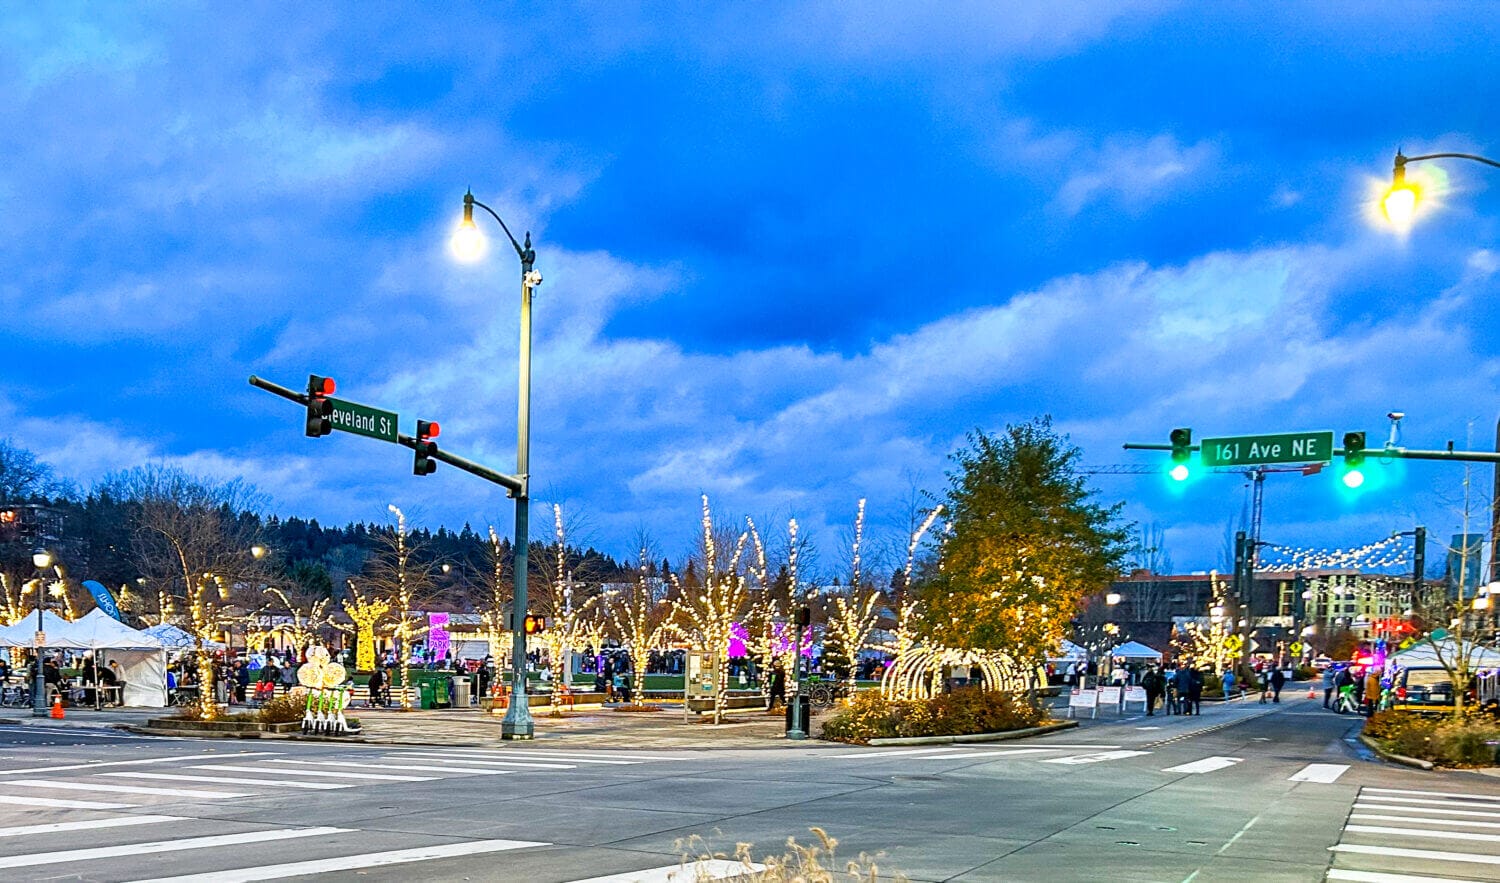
(43, 560)
(468, 244)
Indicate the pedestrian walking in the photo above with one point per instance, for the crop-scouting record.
(1328, 677)
(1264, 677)
(1228, 682)
(377, 687)
(1278, 680)
(1154, 684)
(1195, 690)
(1183, 681)
(778, 689)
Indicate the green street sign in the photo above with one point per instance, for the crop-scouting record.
(363, 420)
(1260, 450)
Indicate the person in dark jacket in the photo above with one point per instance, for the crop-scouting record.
(1278, 680)
(1154, 684)
(1195, 690)
(377, 687)
(1183, 681)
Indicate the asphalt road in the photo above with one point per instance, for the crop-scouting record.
(1243, 793)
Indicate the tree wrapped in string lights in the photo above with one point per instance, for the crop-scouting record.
(366, 614)
(300, 625)
(640, 618)
(852, 616)
(397, 577)
(708, 612)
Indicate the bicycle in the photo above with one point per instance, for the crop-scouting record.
(14, 696)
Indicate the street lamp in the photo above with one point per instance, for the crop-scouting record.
(468, 245)
(43, 560)
(1399, 204)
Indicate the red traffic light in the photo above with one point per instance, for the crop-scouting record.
(320, 386)
(427, 429)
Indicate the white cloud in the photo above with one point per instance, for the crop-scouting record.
(1133, 174)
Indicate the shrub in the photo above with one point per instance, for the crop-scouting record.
(1306, 673)
(1460, 743)
(965, 711)
(284, 709)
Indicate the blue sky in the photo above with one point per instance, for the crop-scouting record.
(792, 252)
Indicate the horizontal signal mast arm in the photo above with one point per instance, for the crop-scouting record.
(515, 485)
(1400, 453)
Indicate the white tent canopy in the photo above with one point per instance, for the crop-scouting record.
(1135, 650)
(1423, 653)
(141, 659)
(1068, 652)
(58, 630)
(174, 638)
(100, 631)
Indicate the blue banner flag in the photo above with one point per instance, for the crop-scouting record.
(103, 598)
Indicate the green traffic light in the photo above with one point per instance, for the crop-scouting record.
(1179, 472)
(1354, 478)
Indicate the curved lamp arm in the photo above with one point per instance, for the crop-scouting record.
(525, 253)
(1401, 161)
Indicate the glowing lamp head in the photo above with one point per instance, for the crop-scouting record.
(1400, 205)
(1179, 472)
(1112, 598)
(42, 559)
(467, 243)
(1354, 478)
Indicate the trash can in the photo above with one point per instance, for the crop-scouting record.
(461, 692)
(425, 693)
(803, 700)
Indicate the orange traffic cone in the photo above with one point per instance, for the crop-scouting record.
(1312, 693)
(57, 712)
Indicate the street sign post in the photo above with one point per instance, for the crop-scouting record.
(1260, 450)
(363, 420)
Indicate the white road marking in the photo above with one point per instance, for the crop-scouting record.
(1096, 758)
(1322, 773)
(1465, 823)
(511, 763)
(184, 757)
(711, 869)
(122, 789)
(565, 756)
(1423, 832)
(57, 803)
(1206, 765)
(1378, 877)
(230, 780)
(1422, 801)
(364, 765)
(98, 852)
(907, 752)
(347, 863)
(1431, 854)
(602, 755)
(1076, 747)
(230, 768)
(1401, 807)
(117, 822)
(1448, 794)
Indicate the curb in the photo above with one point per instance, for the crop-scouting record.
(978, 737)
(1393, 757)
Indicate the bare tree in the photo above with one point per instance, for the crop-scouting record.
(1151, 596)
(395, 575)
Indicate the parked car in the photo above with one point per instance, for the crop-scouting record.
(1321, 662)
(1423, 687)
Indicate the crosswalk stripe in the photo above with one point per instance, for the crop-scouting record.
(1422, 801)
(117, 822)
(1076, 747)
(122, 789)
(230, 768)
(1095, 758)
(98, 852)
(1465, 823)
(1449, 794)
(1322, 773)
(601, 755)
(1379, 877)
(1424, 810)
(510, 763)
(59, 803)
(1430, 854)
(567, 763)
(1206, 765)
(364, 765)
(906, 752)
(353, 862)
(709, 869)
(549, 754)
(183, 757)
(1423, 832)
(230, 780)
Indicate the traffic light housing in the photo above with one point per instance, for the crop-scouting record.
(423, 463)
(1354, 458)
(534, 624)
(1182, 452)
(319, 408)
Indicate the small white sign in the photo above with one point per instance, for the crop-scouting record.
(40, 640)
(1135, 694)
(1084, 699)
(1109, 695)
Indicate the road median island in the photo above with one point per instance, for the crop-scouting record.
(1385, 754)
(1002, 736)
